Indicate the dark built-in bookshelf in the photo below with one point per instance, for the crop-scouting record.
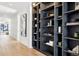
(56, 28)
(71, 29)
(36, 26)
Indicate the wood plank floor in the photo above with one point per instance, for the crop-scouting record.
(10, 47)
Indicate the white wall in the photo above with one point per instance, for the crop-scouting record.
(26, 40)
(14, 26)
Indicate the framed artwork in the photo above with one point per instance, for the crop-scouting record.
(24, 25)
(4, 28)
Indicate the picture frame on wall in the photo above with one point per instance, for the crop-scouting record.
(24, 25)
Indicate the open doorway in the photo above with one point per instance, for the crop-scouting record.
(4, 26)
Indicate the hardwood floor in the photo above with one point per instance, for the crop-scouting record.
(10, 47)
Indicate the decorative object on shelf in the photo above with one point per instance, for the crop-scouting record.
(76, 34)
(50, 43)
(59, 29)
(49, 23)
(35, 25)
(35, 18)
(76, 5)
(76, 49)
(50, 14)
(72, 52)
(60, 43)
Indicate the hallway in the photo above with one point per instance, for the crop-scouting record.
(10, 47)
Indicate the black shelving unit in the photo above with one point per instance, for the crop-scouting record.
(36, 26)
(47, 28)
(57, 29)
(50, 28)
(70, 29)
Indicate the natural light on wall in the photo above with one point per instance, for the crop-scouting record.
(7, 9)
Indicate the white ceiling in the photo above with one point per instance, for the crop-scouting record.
(7, 9)
(18, 6)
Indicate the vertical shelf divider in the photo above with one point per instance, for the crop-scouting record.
(64, 28)
(55, 30)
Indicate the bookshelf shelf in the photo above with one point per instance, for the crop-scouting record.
(48, 7)
(48, 17)
(71, 11)
(72, 24)
(71, 38)
(59, 46)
